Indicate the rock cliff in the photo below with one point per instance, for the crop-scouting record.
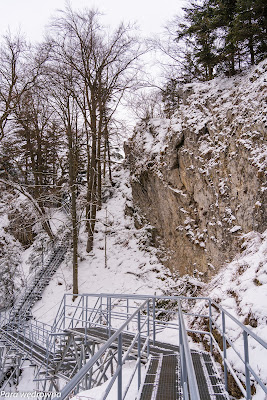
(200, 177)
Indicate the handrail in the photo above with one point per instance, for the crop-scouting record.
(190, 386)
(244, 328)
(81, 312)
(245, 360)
(137, 296)
(83, 371)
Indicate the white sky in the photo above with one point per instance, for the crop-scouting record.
(31, 16)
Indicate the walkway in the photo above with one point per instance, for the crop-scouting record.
(93, 340)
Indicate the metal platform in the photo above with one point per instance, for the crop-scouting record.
(93, 340)
(163, 377)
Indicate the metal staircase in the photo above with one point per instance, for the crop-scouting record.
(20, 334)
(22, 310)
(112, 341)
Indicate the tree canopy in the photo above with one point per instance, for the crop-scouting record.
(222, 36)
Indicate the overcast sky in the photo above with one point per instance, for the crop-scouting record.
(31, 16)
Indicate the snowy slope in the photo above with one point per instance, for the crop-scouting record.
(131, 266)
(241, 286)
(241, 289)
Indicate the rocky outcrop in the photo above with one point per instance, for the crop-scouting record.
(200, 178)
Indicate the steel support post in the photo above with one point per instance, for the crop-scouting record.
(139, 348)
(148, 329)
(182, 358)
(101, 309)
(248, 387)
(107, 313)
(154, 322)
(90, 377)
(1, 357)
(210, 326)
(86, 319)
(224, 353)
(83, 316)
(127, 308)
(109, 316)
(120, 366)
(64, 313)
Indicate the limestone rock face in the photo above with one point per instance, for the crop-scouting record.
(200, 178)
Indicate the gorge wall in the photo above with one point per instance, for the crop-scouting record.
(200, 177)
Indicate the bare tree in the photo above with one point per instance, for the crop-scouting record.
(20, 112)
(77, 81)
(40, 214)
(10, 59)
(18, 73)
(146, 104)
(61, 81)
(89, 71)
(105, 65)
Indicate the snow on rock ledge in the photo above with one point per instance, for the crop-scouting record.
(200, 178)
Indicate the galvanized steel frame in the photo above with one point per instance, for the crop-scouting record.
(105, 311)
(249, 372)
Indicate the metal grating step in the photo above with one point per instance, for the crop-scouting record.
(168, 380)
(161, 380)
(209, 383)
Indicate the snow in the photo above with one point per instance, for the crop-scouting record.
(132, 270)
(235, 228)
(132, 265)
(241, 289)
(178, 191)
(97, 392)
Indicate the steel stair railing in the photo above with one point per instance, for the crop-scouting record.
(188, 376)
(30, 337)
(41, 280)
(74, 382)
(227, 342)
(210, 321)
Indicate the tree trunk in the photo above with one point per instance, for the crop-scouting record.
(250, 45)
(251, 50)
(91, 230)
(74, 241)
(72, 181)
(92, 184)
(99, 173)
(109, 161)
(88, 192)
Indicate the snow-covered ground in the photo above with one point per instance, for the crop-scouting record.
(97, 392)
(241, 286)
(130, 267)
(241, 289)
(123, 260)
